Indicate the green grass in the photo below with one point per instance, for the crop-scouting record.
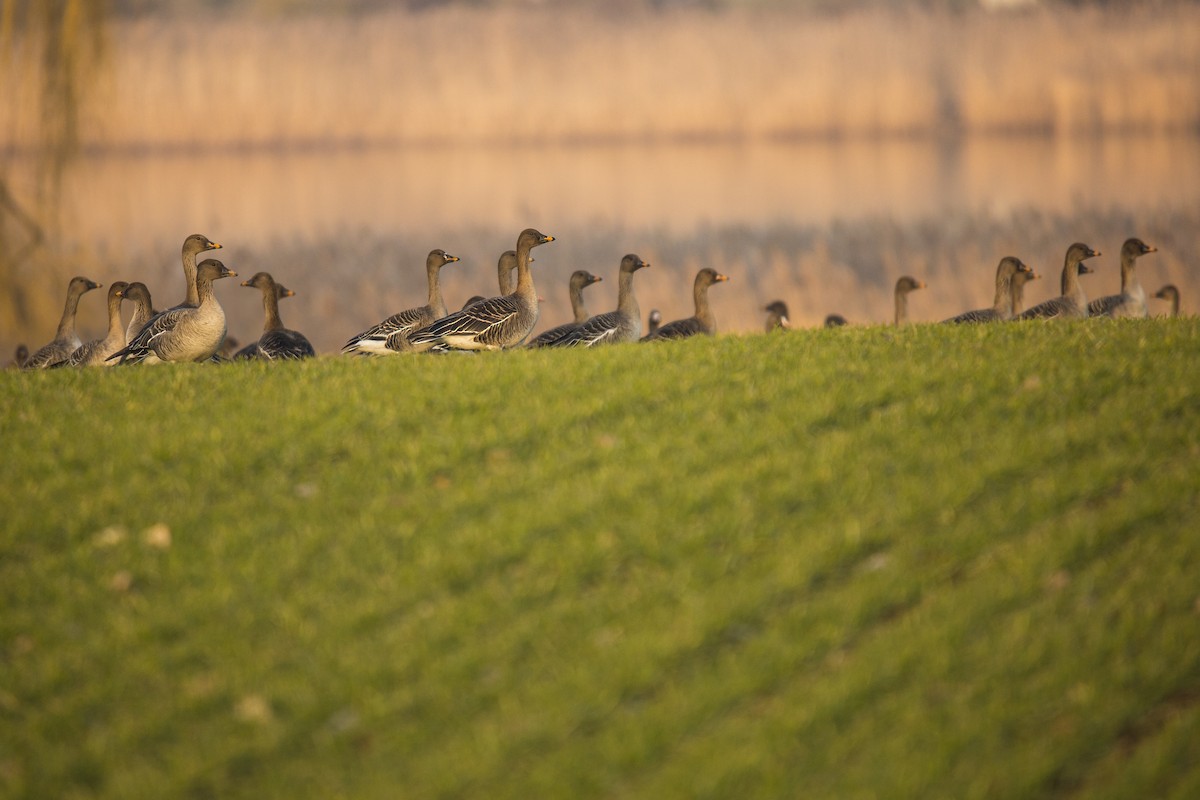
(855, 563)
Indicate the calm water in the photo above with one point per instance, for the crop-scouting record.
(348, 230)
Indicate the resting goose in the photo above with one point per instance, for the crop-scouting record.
(494, 323)
(143, 308)
(905, 285)
(473, 299)
(96, 352)
(391, 336)
(612, 327)
(1018, 290)
(1131, 302)
(1170, 292)
(580, 278)
(703, 321)
(276, 340)
(1002, 304)
(183, 334)
(65, 341)
(1073, 302)
(777, 316)
(835, 321)
(654, 321)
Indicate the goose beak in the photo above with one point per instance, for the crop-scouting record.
(595, 279)
(1094, 253)
(228, 273)
(288, 293)
(547, 238)
(1033, 276)
(721, 277)
(1084, 269)
(245, 283)
(451, 258)
(214, 245)
(1150, 249)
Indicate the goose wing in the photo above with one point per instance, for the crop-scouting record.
(978, 315)
(285, 344)
(1050, 309)
(159, 325)
(679, 329)
(49, 355)
(477, 326)
(1105, 306)
(596, 330)
(551, 337)
(391, 335)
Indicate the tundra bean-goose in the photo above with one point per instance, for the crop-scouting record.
(703, 321)
(192, 246)
(777, 316)
(835, 321)
(1018, 290)
(391, 336)
(622, 325)
(1072, 304)
(96, 352)
(143, 308)
(904, 286)
(183, 334)
(1170, 292)
(1001, 309)
(654, 321)
(1131, 302)
(494, 323)
(65, 341)
(580, 278)
(229, 349)
(276, 341)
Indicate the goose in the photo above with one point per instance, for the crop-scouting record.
(1073, 302)
(1170, 292)
(777, 316)
(1002, 304)
(703, 321)
(143, 308)
(183, 334)
(497, 322)
(580, 279)
(1131, 302)
(96, 352)
(65, 341)
(835, 321)
(391, 336)
(905, 285)
(276, 340)
(611, 327)
(193, 245)
(19, 358)
(229, 349)
(654, 321)
(1018, 290)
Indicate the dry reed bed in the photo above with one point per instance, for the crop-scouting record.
(471, 75)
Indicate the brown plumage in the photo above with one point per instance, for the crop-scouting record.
(703, 321)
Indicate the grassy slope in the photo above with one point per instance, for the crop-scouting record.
(850, 563)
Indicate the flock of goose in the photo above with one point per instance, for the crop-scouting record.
(195, 330)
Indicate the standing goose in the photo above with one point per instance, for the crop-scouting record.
(905, 285)
(835, 321)
(494, 323)
(1170, 292)
(1002, 304)
(276, 340)
(391, 336)
(230, 350)
(703, 321)
(1073, 302)
(183, 334)
(777, 316)
(65, 341)
(611, 327)
(580, 278)
(654, 321)
(143, 308)
(96, 352)
(1131, 302)
(1018, 290)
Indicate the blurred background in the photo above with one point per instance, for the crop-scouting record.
(813, 150)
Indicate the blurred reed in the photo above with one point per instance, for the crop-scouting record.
(501, 75)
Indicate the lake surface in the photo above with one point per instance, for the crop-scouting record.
(348, 229)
